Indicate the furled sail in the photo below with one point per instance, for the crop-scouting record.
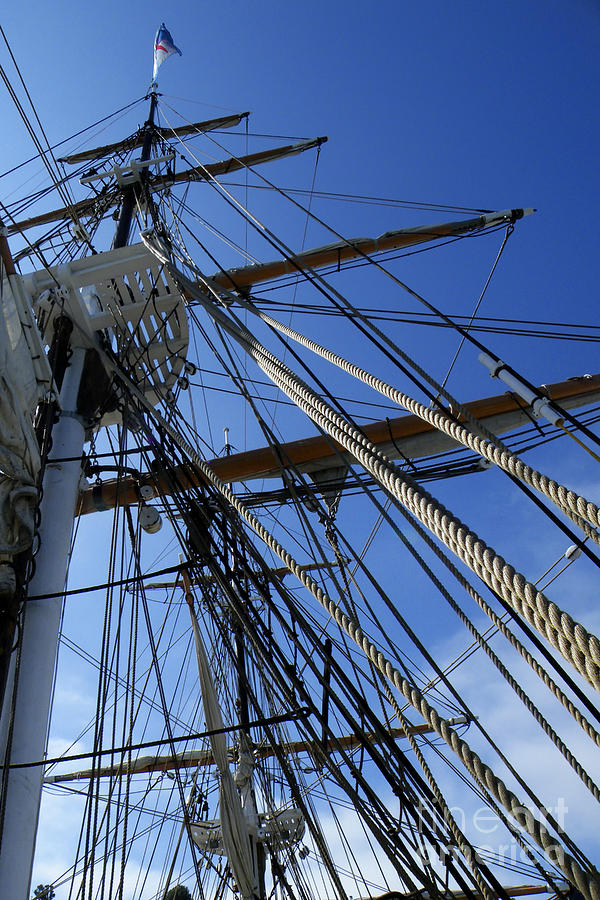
(24, 379)
(234, 830)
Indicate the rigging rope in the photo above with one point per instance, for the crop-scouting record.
(497, 621)
(442, 676)
(318, 280)
(342, 302)
(296, 390)
(573, 641)
(509, 230)
(568, 501)
(514, 684)
(569, 637)
(59, 183)
(328, 291)
(586, 882)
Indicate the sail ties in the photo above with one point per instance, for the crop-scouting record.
(345, 250)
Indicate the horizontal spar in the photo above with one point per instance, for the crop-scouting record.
(356, 248)
(408, 434)
(111, 194)
(137, 139)
(193, 758)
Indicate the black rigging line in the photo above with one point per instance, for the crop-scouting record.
(159, 680)
(316, 280)
(76, 134)
(292, 716)
(416, 318)
(119, 582)
(319, 283)
(359, 198)
(372, 311)
(280, 402)
(223, 586)
(313, 642)
(22, 203)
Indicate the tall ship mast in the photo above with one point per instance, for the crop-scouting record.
(289, 639)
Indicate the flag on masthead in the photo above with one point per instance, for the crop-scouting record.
(163, 47)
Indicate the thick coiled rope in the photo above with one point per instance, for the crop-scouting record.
(505, 673)
(568, 501)
(574, 642)
(461, 841)
(498, 622)
(491, 802)
(496, 452)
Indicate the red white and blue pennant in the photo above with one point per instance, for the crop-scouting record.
(163, 48)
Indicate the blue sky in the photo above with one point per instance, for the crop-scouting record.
(477, 104)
